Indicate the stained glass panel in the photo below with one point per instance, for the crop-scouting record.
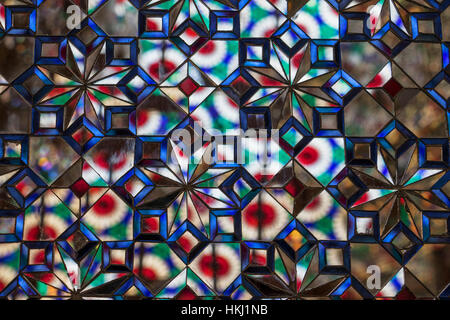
(224, 149)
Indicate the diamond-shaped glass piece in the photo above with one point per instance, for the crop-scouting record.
(26, 186)
(100, 198)
(341, 87)
(150, 225)
(134, 185)
(294, 187)
(364, 225)
(295, 240)
(390, 39)
(13, 149)
(189, 36)
(290, 38)
(33, 84)
(80, 187)
(187, 241)
(188, 86)
(136, 84)
(292, 136)
(395, 138)
(258, 257)
(402, 242)
(334, 256)
(82, 135)
(242, 188)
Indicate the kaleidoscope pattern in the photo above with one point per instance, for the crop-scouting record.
(100, 200)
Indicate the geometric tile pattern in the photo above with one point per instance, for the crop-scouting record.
(98, 199)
